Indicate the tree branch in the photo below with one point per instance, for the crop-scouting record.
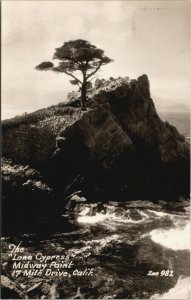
(95, 77)
(98, 67)
(73, 76)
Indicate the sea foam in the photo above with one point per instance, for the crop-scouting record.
(175, 238)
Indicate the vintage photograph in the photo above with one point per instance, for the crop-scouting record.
(95, 149)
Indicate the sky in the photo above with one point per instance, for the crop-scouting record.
(143, 37)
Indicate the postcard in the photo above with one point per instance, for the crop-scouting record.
(95, 150)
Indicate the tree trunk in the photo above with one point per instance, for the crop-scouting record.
(83, 95)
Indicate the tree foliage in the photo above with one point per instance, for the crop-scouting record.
(78, 59)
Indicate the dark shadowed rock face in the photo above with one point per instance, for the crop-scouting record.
(117, 149)
(29, 204)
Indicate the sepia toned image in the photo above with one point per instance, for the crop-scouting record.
(95, 149)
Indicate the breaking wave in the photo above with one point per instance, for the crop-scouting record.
(175, 238)
(92, 219)
(109, 213)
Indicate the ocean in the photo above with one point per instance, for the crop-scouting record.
(181, 120)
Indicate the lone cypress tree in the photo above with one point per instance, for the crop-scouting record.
(77, 57)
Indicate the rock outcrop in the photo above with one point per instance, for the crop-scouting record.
(29, 204)
(118, 149)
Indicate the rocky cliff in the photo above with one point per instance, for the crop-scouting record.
(118, 149)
